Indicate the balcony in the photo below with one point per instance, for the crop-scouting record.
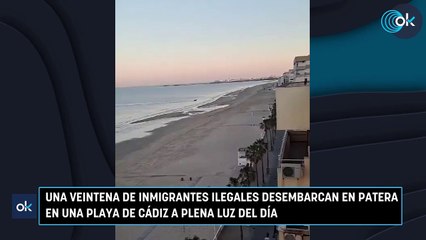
(293, 159)
(294, 147)
(303, 67)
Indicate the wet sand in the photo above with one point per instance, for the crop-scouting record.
(202, 147)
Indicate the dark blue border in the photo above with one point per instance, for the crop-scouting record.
(111, 187)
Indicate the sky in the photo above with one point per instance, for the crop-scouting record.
(188, 41)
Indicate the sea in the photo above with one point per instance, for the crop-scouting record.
(134, 104)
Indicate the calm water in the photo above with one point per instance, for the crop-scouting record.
(138, 103)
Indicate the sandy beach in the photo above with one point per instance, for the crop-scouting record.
(202, 147)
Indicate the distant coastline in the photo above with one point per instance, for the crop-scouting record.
(271, 78)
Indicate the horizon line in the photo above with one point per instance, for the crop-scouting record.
(206, 82)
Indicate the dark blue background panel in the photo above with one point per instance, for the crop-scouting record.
(374, 139)
(57, 92)
(350, 52)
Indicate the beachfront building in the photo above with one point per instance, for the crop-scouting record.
(293, 161)
(286, 78)
(302, 68)
(301, 71)
(281, 80)
(242, 158)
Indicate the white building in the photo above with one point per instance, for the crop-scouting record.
(302, 68)
(242, 158)
(287, 77)
(282, 80)
(301, 71)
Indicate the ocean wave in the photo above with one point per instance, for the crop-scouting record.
(138, 124)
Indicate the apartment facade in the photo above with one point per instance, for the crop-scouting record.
(293, 118)
(301, 71)
(302, 67)
(287, 77)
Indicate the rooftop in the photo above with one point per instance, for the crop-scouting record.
(302, 58)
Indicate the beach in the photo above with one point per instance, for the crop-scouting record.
(200, 150)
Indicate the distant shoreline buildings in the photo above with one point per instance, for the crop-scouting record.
(300, 72)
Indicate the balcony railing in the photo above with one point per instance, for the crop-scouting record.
(282, 148)
(302, 67)
(293, 151)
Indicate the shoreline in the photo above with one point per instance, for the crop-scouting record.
(190, 146)
(219, 102)
(202, 147)
(159, 120)
(225, 101)
(165, 116)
